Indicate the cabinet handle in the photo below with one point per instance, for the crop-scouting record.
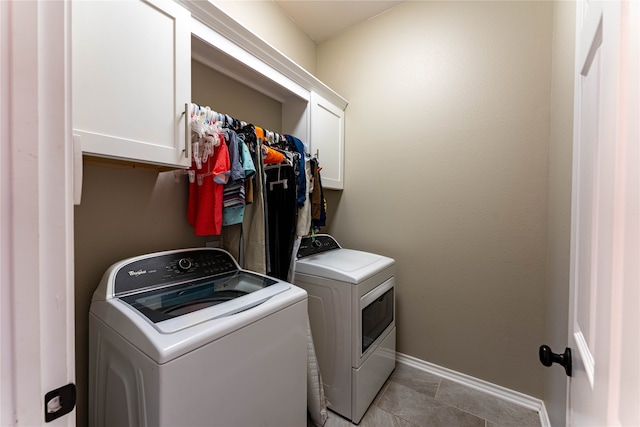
(77, 169)
(187, 131)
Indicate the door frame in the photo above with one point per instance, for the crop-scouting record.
(36, 210)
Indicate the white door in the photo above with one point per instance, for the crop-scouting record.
(36, 214)
(604, 326)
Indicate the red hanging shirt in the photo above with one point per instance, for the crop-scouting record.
(204, 211)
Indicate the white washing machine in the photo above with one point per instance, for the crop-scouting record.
(352, 316)
(187, 338)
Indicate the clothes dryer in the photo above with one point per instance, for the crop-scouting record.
(187, 338)
(352, 316)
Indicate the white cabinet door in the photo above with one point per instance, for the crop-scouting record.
(131, 79)
(327, 140)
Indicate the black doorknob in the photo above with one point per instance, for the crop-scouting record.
(547, 358)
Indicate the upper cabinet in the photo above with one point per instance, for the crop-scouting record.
(327, 140)
(131, 79)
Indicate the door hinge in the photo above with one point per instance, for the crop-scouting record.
(59, 402)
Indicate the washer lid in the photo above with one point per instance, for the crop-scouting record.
(160, 305)
(346, 265)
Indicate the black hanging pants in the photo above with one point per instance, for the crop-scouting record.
(281, 218)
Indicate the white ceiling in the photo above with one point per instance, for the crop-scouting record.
(323, 19)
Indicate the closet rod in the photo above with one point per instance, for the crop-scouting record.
(269, 136)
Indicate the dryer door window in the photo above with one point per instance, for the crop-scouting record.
(376, 317)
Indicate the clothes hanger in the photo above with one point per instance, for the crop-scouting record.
(284, 182)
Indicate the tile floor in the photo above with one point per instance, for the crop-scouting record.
(413, 398)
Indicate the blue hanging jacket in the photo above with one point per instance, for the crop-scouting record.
(302, 178)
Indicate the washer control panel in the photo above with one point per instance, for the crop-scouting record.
(319, 243)
(172, 267)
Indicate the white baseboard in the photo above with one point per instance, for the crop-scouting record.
(503, 393)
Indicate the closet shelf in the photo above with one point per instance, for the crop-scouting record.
(251, 50)
(125, 164)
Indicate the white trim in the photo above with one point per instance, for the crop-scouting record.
(585, 353)
(544, 416)
(36, 214)
(234, 60)
(495, 390)
(213, 17)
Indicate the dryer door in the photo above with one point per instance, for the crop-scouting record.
(377, 314)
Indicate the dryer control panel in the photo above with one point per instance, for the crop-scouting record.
(319, 243)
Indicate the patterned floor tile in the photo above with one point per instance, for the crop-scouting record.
(414, 398)
(486, 406)
(335, 420)
(423, 410)
(376, 417)
(415, 379)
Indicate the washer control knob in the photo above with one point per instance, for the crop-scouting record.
(317, 243)
(184, 264)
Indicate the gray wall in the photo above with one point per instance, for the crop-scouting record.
(446, 170)
(225, 95)
(268, 21)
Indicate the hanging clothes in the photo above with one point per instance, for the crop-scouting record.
(298, 146)
(271, 156)
(318, 202)
(303, 225)
(234, 189)
(247, 240)
(281, 218)
(259, 211)
(254, 226)
(204, 210)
